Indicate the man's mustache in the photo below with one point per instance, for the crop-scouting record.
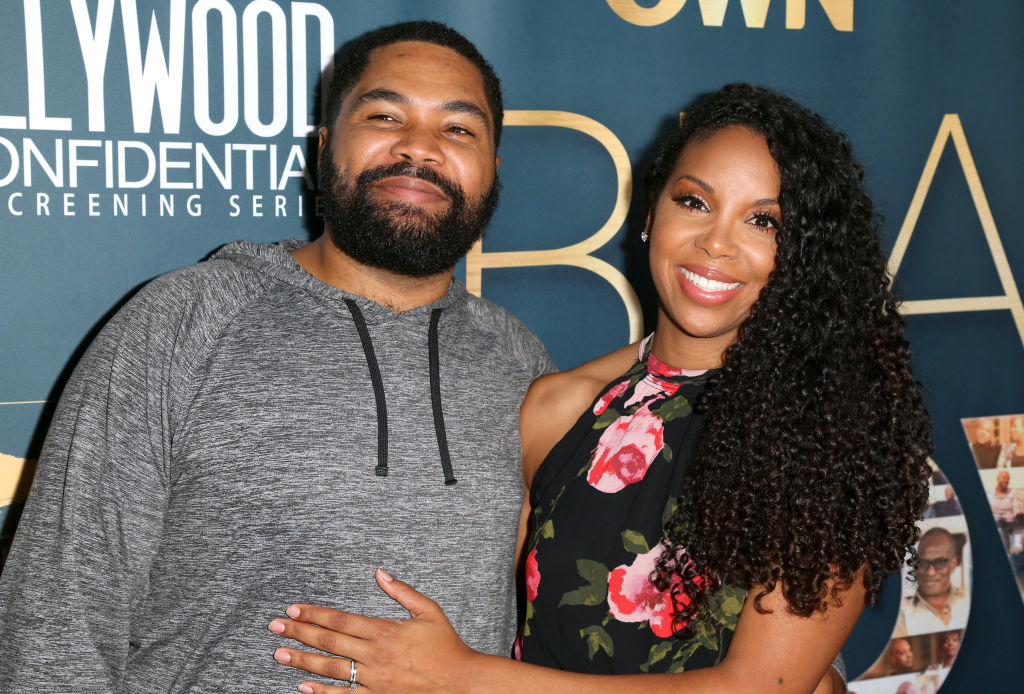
(451, 189)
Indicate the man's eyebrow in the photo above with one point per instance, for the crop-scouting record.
(457, 106)
(388, 95)
(469, 108)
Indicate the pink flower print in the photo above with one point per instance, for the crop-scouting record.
(615, 391)
(657, 366)
(650, 389)
(633, 598)
(625, 450)
(517, 647)
(532, 575)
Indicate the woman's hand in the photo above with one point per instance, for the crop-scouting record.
(422, 653)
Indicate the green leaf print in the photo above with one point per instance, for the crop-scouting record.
(595, 592)
(670, 508)
(727, 605)
(597, 638)
(682, 656)
(634, 542)
(526, 621)
(674, 408)
(678, 666)
(607, 417)
(666, 452)
(706, 637)
(548, 529)
(658, 652)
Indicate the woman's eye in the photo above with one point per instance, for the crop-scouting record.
(691, 202)
(765, 221)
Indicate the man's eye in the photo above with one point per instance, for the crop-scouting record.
(459, 130)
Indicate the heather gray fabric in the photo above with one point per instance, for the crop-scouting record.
(212, 461)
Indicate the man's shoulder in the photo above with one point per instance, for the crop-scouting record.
(489, 320)
(488, 314)
(217, 284)
(185, 308)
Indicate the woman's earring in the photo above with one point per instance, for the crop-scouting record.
(644, 236)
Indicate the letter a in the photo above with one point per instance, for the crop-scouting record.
(952, 128)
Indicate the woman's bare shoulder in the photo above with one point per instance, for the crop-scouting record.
(554, 402)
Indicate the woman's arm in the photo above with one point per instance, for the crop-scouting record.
(774, 652)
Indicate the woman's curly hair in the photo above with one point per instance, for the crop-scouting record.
(812, 469)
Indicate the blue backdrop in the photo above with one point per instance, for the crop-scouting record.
(137, 136)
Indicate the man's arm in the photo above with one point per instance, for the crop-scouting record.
(80, 559)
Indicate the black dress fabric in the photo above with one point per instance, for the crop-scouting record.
(600, 500)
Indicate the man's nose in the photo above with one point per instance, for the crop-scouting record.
(418, 144)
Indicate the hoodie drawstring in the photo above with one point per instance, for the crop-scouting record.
(378, 392)
(435, 398)
(378, 388)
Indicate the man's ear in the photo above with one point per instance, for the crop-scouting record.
(323, 134)
(497, 162)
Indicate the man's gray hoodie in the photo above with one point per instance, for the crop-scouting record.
(224, 449)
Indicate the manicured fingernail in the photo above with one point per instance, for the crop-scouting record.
(293, 612)
(385, 576)
(305, 689)
(277, 626)
(282, 656)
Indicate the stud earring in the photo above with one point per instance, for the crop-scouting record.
(644, 236)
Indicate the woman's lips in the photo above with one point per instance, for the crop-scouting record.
(707, 286)
(412, 190)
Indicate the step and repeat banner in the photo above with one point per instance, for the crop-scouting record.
(137, 136)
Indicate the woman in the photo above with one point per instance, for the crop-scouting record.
(717, 503)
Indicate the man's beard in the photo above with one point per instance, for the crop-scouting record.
(398, 236)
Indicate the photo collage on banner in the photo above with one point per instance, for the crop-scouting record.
(997, 444)
(934, 607)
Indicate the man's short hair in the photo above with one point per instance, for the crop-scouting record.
(940, 532)
(351, 59)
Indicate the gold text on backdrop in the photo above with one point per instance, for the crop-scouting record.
(578, 254)
(952, 128)
(712, 12)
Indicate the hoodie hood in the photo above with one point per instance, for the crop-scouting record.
(275, 259)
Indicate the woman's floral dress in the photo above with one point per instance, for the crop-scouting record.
(599, 503)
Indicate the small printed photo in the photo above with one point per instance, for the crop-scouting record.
(903, 684)
(912, 664)
(997, 444)
(942, 498)
(939, 599)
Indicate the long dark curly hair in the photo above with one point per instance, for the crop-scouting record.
(812, 469)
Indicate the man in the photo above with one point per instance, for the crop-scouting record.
(1005, 507)
(936, 605)
(985, 449)
(949, 647)
(949, 506)
(901, 657)
(272, 425)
